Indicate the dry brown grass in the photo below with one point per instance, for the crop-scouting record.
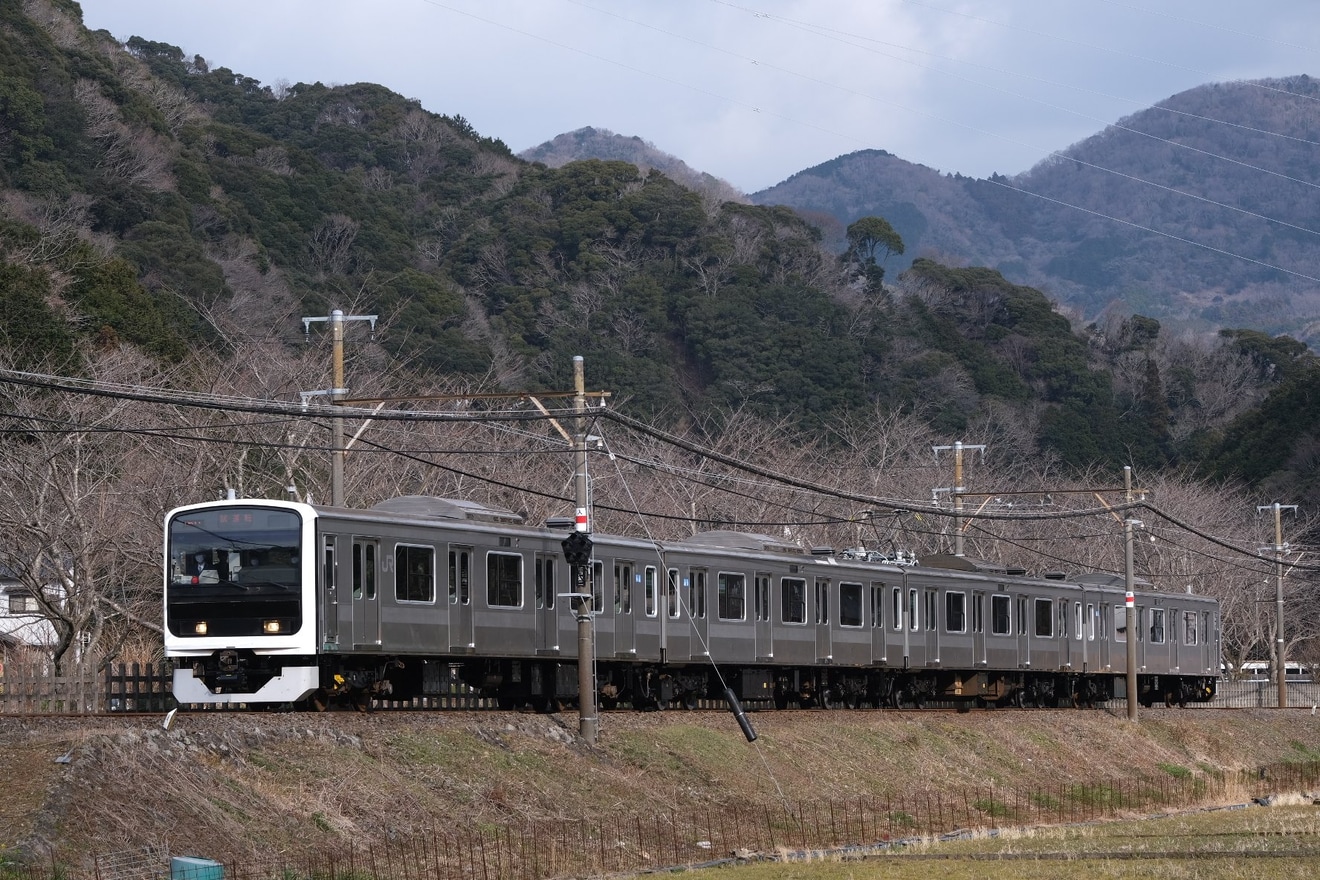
(274, 784)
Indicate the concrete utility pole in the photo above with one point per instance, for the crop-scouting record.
(958, 488)
(588, 720)
(1280, 549)
(1129, 601)
(336, 321)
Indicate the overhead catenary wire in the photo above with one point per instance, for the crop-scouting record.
(206, 401)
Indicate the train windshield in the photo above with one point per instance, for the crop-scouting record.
(234, 571)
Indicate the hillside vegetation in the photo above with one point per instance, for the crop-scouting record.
(148, 197)
(166, 223)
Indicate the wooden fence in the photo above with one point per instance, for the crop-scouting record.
(85, 689)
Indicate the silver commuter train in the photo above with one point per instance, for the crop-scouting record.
(281, 602)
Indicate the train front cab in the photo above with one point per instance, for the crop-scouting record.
(239, 602)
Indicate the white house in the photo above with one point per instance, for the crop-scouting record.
(21, 622)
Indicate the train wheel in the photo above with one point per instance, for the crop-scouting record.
(547, 705)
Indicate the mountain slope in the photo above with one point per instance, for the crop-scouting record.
(1198, 209)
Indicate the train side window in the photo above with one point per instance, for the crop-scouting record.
(460, 576)
(357, 570)
(762, 596)
(649, 588)
(955, 612)
(1120, 622)
(914, 610)
(671, 594)
(978, 612)
(1078, 626)
(731, 590)
(414, 573)
(623, 587)
(1157, 626)
(504, 581)
(1023, 622)
(369, 574)
(877, 605)
(898, 608)
(698, 588)
(1189, 628)
(932, 609)
(793, 600)
(1001, 615)
(850, 605)
(328, 563)
(1044, 618)
(1090, 621)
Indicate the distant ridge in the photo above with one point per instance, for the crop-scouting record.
(1187, 211)
(600, 143)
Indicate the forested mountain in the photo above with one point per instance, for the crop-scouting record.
(600, 143)
(146, 195)
(1198, 210)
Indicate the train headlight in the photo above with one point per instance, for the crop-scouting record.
(271, 626)
(200, 627)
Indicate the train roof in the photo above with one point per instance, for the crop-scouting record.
(969, 563)
(729, 540)
(447, 508)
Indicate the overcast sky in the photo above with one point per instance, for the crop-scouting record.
(755, 90)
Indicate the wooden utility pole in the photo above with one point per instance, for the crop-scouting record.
(1129, 599)
(336, 321)
(958, 488)
(1280, 549)
(588, 720)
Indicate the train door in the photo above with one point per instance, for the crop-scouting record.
(824, 642)
(914, 653)
(1063, 635)
(931, 621)
(1024, 633)
(901, 627)
(547, 617)
(1116, 623)
(1141, 638)
(879, 654)
(460, 598)
(649, 624)
(366, 596)
(1159, 655)
(329, 586)
(696, 603)
(602, 593)
(978, 629)
(765, 646)
(678, 638)
(625, 628)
